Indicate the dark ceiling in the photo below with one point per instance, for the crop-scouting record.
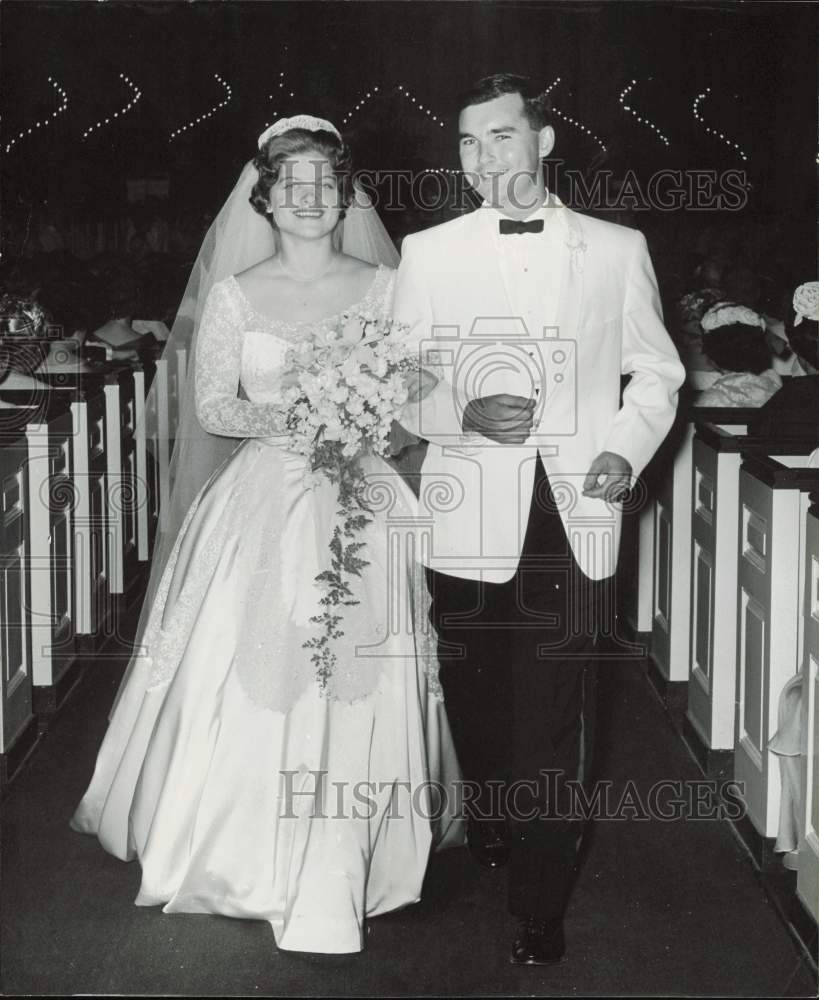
(758, 59)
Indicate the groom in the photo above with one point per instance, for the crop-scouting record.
(529, 314)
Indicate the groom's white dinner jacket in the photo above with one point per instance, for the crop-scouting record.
(484, 327)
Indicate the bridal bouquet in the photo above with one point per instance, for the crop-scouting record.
(342, 390)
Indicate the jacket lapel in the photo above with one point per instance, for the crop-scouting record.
(570, 302)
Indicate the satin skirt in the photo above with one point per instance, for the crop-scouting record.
(240, 784)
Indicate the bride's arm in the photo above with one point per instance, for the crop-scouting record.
(218, 367)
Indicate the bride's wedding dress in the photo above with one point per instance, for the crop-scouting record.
(242, 786)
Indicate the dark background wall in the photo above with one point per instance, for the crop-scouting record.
(759, 59)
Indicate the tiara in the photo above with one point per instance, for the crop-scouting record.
(725, 313)
(307, 122)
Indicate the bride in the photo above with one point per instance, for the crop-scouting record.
(243, 785)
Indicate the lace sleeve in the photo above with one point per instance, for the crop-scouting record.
(218, 367)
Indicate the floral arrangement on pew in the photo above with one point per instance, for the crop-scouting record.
(341, 393)
(24, 335)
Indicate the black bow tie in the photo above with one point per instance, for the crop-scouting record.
(509, 226)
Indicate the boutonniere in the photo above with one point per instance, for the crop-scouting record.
(577, 247)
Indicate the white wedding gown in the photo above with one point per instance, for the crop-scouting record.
(221, 737)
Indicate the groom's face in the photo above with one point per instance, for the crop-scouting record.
(501, 154)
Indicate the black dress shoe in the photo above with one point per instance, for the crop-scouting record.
(538, 942)
(487, 844)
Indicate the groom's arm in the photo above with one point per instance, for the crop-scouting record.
(651, 360)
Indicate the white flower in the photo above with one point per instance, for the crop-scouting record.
(364, 356)
(806, 302)
(577, 247)
(333, 429)
(348, 369)
(368, 389)
(352, 329)
(312, 480)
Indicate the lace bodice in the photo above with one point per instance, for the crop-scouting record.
(239, 347)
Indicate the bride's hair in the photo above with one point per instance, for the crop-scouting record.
(276, 150)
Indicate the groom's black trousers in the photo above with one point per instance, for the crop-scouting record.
(517, 667)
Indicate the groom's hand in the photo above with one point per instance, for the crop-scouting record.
(609, 477)
(400, 438)
(503, 418)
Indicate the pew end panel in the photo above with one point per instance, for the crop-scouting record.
(94, 615)
(18, 724)
(665, 551)
(717, 455)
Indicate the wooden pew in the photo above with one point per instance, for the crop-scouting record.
(121, 470)
(147, 497)
(718, 448)
(94, 618)
(154, 444)
(18, 724)
(158, 439)
(81, 492)
(668, 480)
(635, 585)
(50, 545)
(772, 498)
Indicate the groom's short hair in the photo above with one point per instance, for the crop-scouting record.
(536, 103)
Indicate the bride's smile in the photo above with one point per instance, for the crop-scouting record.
(305, 201)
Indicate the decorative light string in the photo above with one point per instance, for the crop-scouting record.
(643, 121)
(207, 114)
(46, 121)
(572, 121)
(277, 95)
(372, 92)
(136, 94)
(712, 131)
(402, 90)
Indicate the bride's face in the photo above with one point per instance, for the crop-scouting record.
(305, 199)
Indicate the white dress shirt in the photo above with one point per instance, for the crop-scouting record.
(531, 263)
(531, 266)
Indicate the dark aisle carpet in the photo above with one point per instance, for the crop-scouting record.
(659, 908)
